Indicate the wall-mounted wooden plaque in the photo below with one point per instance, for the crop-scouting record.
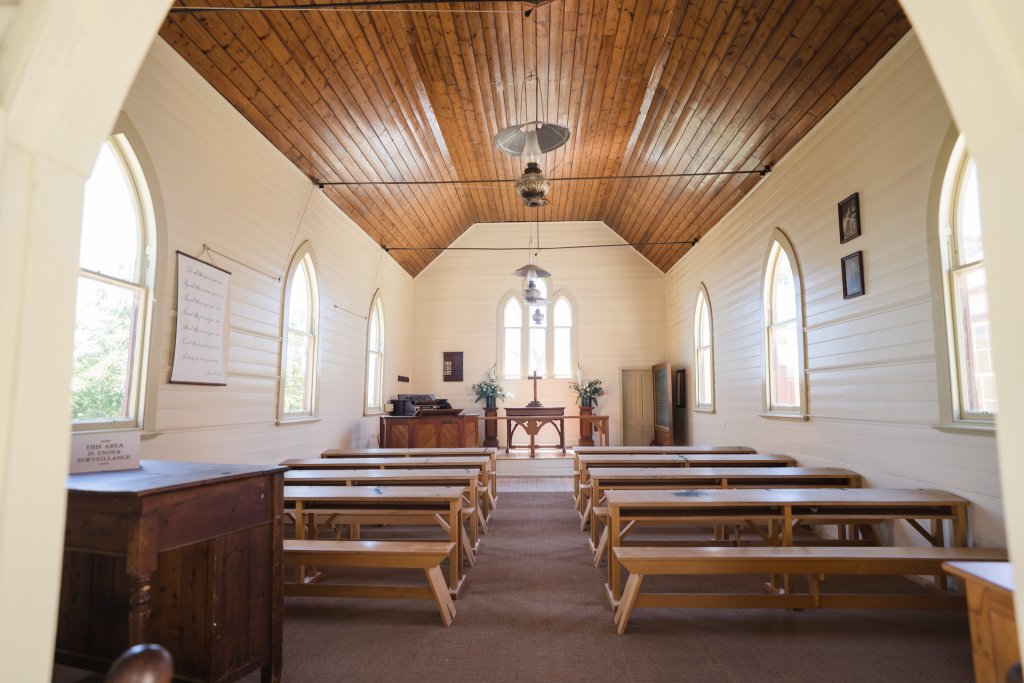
(451, 368)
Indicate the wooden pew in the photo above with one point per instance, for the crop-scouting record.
(425, 555)
(659, 478)
(481, 462)
(393, 505)
(642, 450)
(490, 453)
(773, 514)
(816, 562)
(465, 477)
(585, 461)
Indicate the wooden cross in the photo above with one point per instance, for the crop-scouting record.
(534, 403)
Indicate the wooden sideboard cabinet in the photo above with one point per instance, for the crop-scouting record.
(430, 431)
(994, 644)
(187, 555)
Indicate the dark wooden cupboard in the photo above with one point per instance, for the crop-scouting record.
(186, 555)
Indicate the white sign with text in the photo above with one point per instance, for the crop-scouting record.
(105, 451)
(200, 338)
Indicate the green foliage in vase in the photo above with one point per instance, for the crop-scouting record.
(586, 388)
(489, 387)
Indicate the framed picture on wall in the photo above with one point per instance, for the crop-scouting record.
(849, 218)
(451, 366)
(853, 275)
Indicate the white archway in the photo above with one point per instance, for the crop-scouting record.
(66, 68)
(65, 71)
(977, 56)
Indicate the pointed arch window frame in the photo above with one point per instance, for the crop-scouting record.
(779, 242)
(140, 177)
(953, 264)
(702, 308)
(375, 371)
(306, 259)
(549, 327)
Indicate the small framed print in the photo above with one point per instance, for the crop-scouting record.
(451, 367)
(849, 218)
(853, 275)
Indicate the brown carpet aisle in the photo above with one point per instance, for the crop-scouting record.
(534, 610)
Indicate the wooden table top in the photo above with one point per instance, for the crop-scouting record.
(651, 450)
(159, 476)
(404, 452)
(740, 458)
(714, 473)
(733, 459)
(363, 494)
(809, 497)
(411, 462)
(999, 575)
(539, 412)
(299, 476)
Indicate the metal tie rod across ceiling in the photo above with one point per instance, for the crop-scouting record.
(655, 176)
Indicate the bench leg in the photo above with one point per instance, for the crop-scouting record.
(467, 547)
(629, 594)
(483, 520)
(441, 596)
(586, 515)
(601, 545)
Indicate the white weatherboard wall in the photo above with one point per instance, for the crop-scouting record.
(620, 303)
(223, 184)
(871, 361)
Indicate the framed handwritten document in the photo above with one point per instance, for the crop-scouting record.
(200, 338)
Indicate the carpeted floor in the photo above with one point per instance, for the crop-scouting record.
(534, 609)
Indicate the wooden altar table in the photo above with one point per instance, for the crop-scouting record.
(531, 420)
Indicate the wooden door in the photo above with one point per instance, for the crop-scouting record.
(637, 407)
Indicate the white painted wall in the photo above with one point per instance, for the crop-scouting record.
(871, 361)
(620, 302)
(223, 184)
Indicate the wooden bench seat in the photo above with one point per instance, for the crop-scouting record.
(425, 555)
(814, 561)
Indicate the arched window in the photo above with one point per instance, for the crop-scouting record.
(512, 339)
(375, 357)
(544, 331)
(703, 356)
(112, 312)
(537, 324)
(783, 337)
(299, 366)
(561, 320)
(970, 358)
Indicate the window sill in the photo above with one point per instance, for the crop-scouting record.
(976, 428)
(298, 420)
(785, 416)
(84, 427)
(705, 409)
(374, 413)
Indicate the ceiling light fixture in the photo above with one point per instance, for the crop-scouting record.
(530, 141)
(532, 272)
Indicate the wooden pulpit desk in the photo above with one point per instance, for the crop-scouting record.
(187, 555)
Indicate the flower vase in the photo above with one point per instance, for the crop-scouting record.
(490, 402)
(586, 401)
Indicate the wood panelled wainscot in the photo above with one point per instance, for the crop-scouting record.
(430, 431)
(186, 555)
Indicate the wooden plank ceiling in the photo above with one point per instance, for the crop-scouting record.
(645, 86)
